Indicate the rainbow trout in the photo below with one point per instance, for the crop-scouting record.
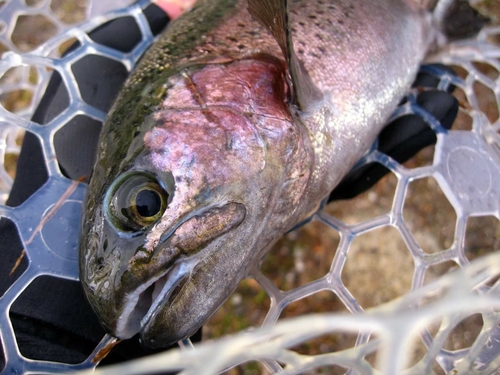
(235, 125)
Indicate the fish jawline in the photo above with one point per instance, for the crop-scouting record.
(173, 278)
(142, 305)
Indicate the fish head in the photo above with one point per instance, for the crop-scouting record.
(172, 227)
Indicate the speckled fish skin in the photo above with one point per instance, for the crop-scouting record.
(210, 113)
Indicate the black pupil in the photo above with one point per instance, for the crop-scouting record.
(148, 203)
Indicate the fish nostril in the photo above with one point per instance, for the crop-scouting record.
(105, 244)
(100, 263)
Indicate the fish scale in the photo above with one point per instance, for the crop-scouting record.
(250, 115)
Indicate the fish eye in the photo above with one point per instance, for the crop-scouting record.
(134, 201)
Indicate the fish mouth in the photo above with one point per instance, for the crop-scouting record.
(142, 305)
(188, 243)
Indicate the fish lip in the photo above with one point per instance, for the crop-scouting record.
(127, 323)
(132, 322)
(174, 276)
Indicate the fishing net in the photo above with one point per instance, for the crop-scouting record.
(402, 278)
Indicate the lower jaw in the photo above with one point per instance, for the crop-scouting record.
(153, 299)
(165, 289)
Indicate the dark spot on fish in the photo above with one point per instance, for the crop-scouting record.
(312, 16)
(317, 35)
(331, 7)
(302, 43)
(241, 46)
(315, 55)
(105, 244)
(136, 133)
(340, 21)
(242, 25)
(232, 39)
(320, 12)
(294, 30)
(301, 51)
(321, 50)
(301, 23)
(205, 194)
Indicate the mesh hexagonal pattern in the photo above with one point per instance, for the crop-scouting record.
(26, 84)
(463, 169)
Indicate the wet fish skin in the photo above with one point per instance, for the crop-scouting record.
(210, 114)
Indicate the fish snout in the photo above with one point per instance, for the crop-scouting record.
(161, 278)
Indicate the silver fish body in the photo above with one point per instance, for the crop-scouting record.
(216, 147)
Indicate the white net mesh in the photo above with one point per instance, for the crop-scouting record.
(398, 238)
